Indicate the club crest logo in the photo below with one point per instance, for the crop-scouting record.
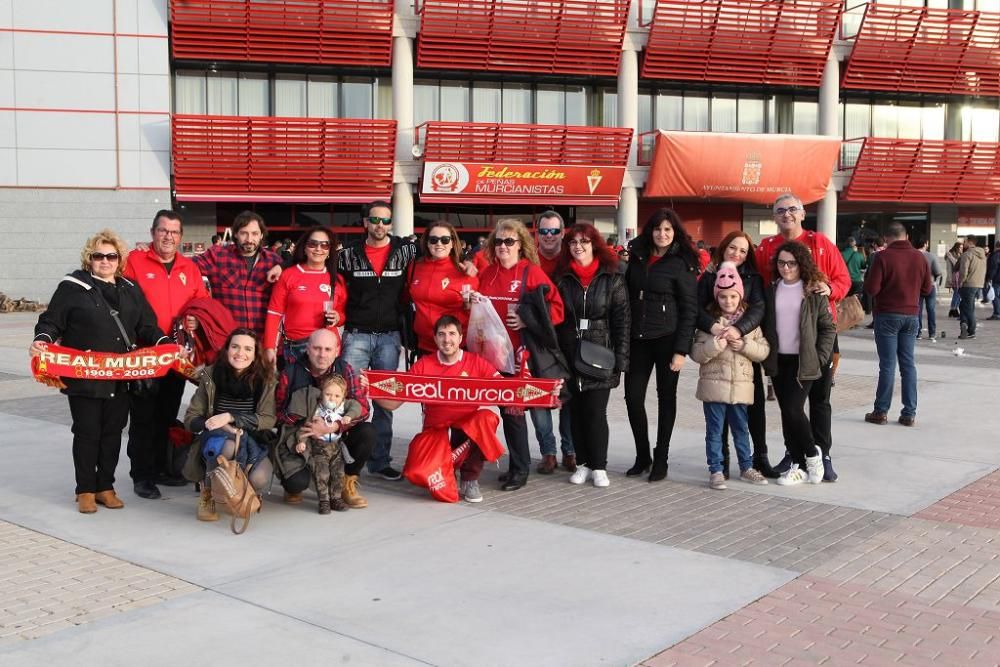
(751, 170)
(514, 286)
(390, 386)
(447, 177)
(594, 179)
(530, 392)
(444, 283)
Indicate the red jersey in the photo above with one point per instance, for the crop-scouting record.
(378, 256)
(703, 259)
(297, 299)
(548, 265)
(480, 261)
(468, 365)
(435, 288)
(503, 286)
(826, 255)
(167, 293)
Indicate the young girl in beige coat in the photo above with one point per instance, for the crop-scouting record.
(725, 380)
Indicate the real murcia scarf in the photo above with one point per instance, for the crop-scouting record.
(507, 392)
(150, 362)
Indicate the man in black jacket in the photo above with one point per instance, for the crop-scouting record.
(375, 270)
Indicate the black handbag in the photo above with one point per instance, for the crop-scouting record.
(592, 361)
(142, 387)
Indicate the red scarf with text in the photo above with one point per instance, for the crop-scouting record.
(58, 361)
(508, 392)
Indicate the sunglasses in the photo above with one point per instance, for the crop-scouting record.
(443, 240)
(313, 243)
(580, 242)
(507, 242)
(100, 256)
(372, 220)
(549, 231)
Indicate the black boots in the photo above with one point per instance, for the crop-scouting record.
(763, 466)
(640, 467)
(659, 469)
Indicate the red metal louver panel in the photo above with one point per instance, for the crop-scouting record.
(241, 158)
(557, 37)
(774, 42)
(947, 51)
(539, 144)
(329, 32)
(912, 170)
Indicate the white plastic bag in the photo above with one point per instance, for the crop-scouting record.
(487, 336)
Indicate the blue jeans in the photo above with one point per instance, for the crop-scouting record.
(895, 338)
(996, 299)
(929, 302)
(716, 414)
(967, 307)
(380, 352)
(542, 420)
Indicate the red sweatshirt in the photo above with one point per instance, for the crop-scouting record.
(503, 286)
(826, 255)
(435, 289)
(297, 299)
(469, 365)
(167, 294)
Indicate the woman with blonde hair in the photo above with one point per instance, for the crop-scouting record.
(513, 270)
(82, 315)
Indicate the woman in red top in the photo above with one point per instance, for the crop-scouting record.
(309, 295)
(513, 270)
(436, 283)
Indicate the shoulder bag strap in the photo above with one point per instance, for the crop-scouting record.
(129, 346)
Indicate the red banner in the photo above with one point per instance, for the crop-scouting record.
(150, 362)
(508, 392)
(502, 182)
(753, 168)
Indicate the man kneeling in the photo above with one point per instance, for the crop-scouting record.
(472, 438)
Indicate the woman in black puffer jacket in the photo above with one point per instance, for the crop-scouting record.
(596, 305)
(661, 278)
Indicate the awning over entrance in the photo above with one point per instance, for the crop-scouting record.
(753, 168)
(506, 163)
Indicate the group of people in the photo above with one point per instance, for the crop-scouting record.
(285, 344)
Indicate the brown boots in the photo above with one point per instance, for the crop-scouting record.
(109, 499)
(350, 494)
(86, 503)
(548, 465)
(206, 504)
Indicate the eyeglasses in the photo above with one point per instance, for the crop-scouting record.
(792, 210)
(549, 231)
(168, 232)
(443, 240)
(101, 256)
(580, 242)
(509, 242)
(315, 243)
(790, 264)
(372, 220)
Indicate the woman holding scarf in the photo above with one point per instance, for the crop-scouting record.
(596, 305)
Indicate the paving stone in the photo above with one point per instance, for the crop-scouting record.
(978, 505)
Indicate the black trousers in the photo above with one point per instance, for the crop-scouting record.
(820, 409)
(792, 395)
(360, 441)
(589, 421)
(644, 356)
(149, 419)
(97, 439)
(515, 432)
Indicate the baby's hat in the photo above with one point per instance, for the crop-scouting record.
(727, 277)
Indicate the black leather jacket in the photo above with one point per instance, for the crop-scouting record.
(662, 297)
(604, 304)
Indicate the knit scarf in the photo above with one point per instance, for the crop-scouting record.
(585, 273)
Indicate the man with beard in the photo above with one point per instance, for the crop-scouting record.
(238, 273)
(375, 271)
(549, 235)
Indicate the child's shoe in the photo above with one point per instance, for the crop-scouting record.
(717, 481)
(324, 506)
(753, 476)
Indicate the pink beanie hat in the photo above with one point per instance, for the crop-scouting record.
(727, 277)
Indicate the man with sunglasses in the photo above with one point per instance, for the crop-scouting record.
(789, 215)
(375, 271)
(549, 237)
(168, 280)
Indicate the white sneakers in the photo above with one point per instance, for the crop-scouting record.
(581, 475)
(717, 481)
(814, 468)
(793, 476)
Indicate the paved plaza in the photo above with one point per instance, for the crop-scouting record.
(899, 562)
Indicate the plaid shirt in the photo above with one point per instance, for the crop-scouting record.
(245, 293)
(297, 375)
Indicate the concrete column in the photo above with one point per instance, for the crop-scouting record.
(829, 107)
(402, 111)
(953, 121)
(628, 214)
(628, 116)
(402, 209)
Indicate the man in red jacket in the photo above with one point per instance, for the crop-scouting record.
(169, 280)
(897, 278)
(789, 214)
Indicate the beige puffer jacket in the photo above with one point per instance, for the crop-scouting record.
(727, 376)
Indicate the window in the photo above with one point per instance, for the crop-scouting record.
(724, 113)
(487, 102)
(517, 103)
(550, 103)
(454, 101)
(290, 96)
(426, 96)
(669, 111)
(609, 108)
(980, 124)
(357, 98)
(322, 97)
(805, 118)
(255, 95)
(577, 105)
(751, 114)
(189, 93)
(696, 113)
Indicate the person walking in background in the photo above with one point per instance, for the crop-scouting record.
(971, 278)
(929, 302)
(993, 279)
(661, 280)
(951, 260)
(898, 278)
(855, 261)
